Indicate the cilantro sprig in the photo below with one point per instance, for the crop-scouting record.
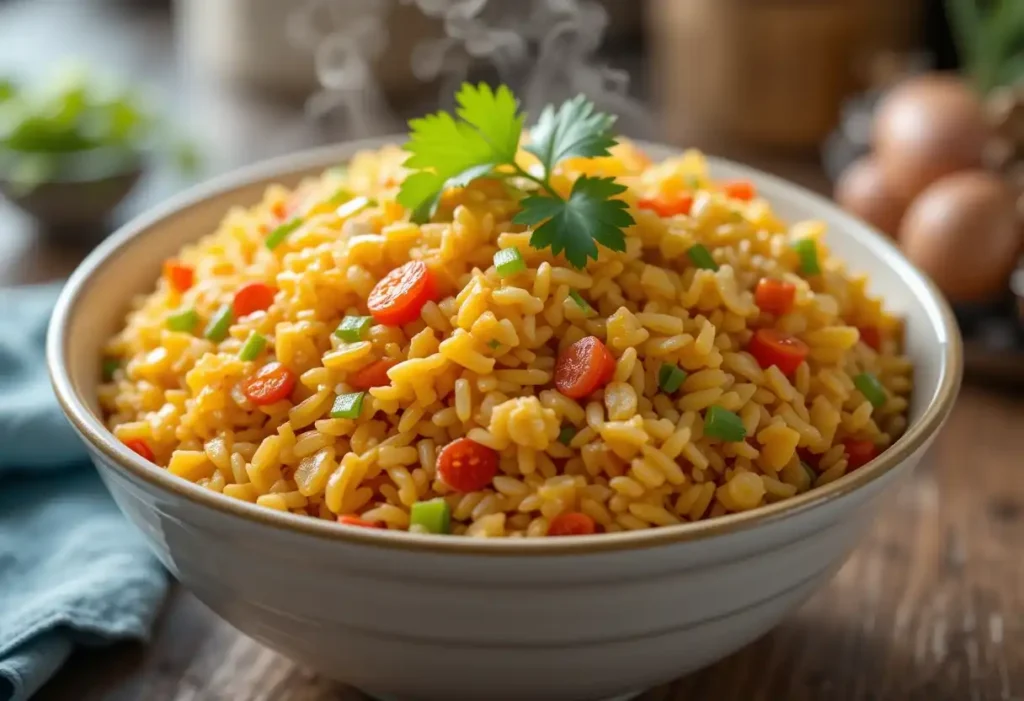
(483, 137)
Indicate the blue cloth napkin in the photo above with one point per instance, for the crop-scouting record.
(71, 572)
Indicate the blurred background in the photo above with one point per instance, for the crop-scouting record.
(909, 111)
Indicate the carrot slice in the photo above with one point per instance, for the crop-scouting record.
(774, 296)
(271, 383)
(139, 446)
(667, 206)
(859, 452)
(740, 189)
(572, 523)
(253, 297)
(584, 367)
(770, 347)
(356, 521)
(871, 336)
(466, 466)
(373, 375)
(400, 295)
(178, 275)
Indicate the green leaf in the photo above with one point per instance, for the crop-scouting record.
(495, 114)
(7, 89)
(575, 129)
(575, 226)
(1012, 70)
(965, 18)
(451, 153)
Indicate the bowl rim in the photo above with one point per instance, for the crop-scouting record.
(95, 432)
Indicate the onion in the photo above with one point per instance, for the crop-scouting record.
(928, 127)
(962, 231)
(863, 191)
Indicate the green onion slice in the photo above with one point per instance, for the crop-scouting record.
(276, 237)
(185, 320)
(348, 406)
(580, 302)
(252, 347)
(340, 197)
(871, 388)
(723, 424)
(434, 516)
(509, 261)
(701, 257)
(353, 328)
(217, 329)
(566, 435)
(352, 206)
(110, 366)
(670, 378)
(807, 249)
(810, 472)
(494, 343)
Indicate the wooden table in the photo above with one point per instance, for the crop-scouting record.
(929, 608)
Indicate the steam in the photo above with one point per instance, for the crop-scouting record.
(546, 50)
(348, 36)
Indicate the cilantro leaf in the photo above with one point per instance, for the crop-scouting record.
(574, 129)
(495, 114)
(573, 226)
(450, 153)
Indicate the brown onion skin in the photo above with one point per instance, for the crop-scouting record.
(863, 191)
(963, 232)
(928, 127)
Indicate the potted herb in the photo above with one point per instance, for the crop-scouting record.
(71, 151)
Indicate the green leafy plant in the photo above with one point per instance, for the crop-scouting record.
(482, 139)
(47, 133)
(990, 38)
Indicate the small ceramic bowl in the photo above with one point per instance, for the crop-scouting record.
(406, 616)
(83, 192)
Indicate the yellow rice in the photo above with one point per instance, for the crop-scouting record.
(639, 458)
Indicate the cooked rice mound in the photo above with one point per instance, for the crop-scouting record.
(479, 362)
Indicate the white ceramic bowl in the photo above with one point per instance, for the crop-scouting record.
(428, 617)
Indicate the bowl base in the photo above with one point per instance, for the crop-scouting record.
(389, 697)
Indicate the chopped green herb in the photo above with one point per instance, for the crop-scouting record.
(110, 366)
(807, 249)
(353, 328)
(340, 197)
(348, 406)
(276, 237)
(723, 424)
(253, 347)
(494, 343)
(449, 151)
(701, 257)
(693, 181)
(670, 378)
(217, 329)
(811, 474)
(433, 516)
(185, 320)
(352, 206)
(509, 261)
(566, 435)
(871, 388)
(580, 302)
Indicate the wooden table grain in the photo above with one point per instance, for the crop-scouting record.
(930, 607)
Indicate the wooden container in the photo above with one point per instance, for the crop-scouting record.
(742, 73)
